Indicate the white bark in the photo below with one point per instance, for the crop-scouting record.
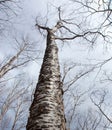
(47, 111)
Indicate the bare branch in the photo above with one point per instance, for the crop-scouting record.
(9, 65)
(99, 105)
(80, 35)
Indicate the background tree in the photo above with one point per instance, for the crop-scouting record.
(16, 87)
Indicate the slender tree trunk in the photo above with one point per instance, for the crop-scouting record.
(47, 111)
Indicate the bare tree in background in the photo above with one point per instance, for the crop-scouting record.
(16, 89)
(13, 92)
(8, 10)
(98, 98)
(14, 103)
(95, 117)
(103, 10)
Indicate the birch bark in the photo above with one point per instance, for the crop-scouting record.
(47, 110)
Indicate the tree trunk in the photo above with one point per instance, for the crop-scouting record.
(47, 110)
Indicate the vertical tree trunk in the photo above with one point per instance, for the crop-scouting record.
(47, 111)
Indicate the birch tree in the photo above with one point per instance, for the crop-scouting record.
(47, 111)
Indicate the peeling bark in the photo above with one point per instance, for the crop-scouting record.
(47, 110)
